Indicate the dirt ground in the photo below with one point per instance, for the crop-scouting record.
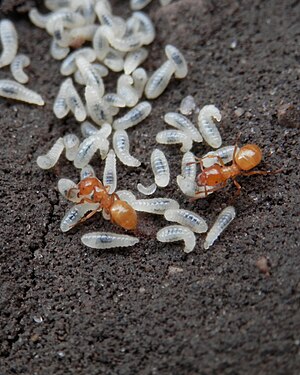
(151, 309)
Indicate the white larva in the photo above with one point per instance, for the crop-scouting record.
(121, 147)
(188, 219)
(127, 91)
(225, 153)
(146, 27)
(176, 57)
(107, 240)
(184, 124)
(71, 142)
(88, 129)
(174, 233)
(134, 59)
(9, 41)
(110, 172)
(58, 52)
(87, 149)
(156, 206)
(87, 171)
(207, 126)
(79, 35)
(159, 80)
(190, 188)
(147, 190)
(86, 9)
(68, 66)
(189, 166)
(37, 18)
(160, 168)
(75, 214)
(97, 108)
(114, 100)
(64, 186)
(48, 160)
(133, 117)
(123, 44)
(114, 60)
(90, 75)
(68, 18)
(139, 4)
(14, 90)
(223, 220)
(140, 79)
(100, 44)
(74, 101)
(171, 137)
(60, 106)
(126, 195)
(16, 67)
(187, 105)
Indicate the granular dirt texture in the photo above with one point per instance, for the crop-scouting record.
(151, 309)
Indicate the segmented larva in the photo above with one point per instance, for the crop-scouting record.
(121, 147)
(110, 172)
(171, 137)
(159, 80)
(37, 18)
(187, 105)
(140, 79)
(9, 41)
(14, 90)
(16, 67)
(190, 188)
(134, 59)
(156, 206)
(87, 149)
(48, 160)
(100, 45)
(133, 117)
(146, 27)
(222, 222)
(64, 186)
(87, 171)
(127, 91)
(65, 17)
(126, 195)
(184, 124)
(79, 35)
(107, 240)
(88, 129)
(176, 57)
(75, 214)
(124, 44)
(114, 60)
(189, 166)
(147, 190)
(58, 52)
(160, 168)
(139, 4)
(90, 75)
(71, 142)
(60, 106)
(97, 108)
(207, 126)
(225, 153)
(173, 233)
(188, 219)
(68, 66)
(74, 101)
(114, 100)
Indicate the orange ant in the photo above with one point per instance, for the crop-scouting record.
(216, 176)
(91, 190)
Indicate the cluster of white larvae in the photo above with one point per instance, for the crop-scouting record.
(119, 45)
(9, 88)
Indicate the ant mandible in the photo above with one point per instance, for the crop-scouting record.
(91, 190)
(215, 177)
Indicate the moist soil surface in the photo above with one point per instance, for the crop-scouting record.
(152, 309)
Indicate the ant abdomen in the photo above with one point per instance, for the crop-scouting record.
(248, 157)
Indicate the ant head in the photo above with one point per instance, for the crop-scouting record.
(87, 185)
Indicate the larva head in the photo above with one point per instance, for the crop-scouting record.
(211, 176)
(123, 214)
(87, 185)
(248, 157)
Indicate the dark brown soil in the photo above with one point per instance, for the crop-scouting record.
(66, 309)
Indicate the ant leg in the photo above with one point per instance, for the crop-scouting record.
(238, 186)
(86, 200)
(198, 161)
